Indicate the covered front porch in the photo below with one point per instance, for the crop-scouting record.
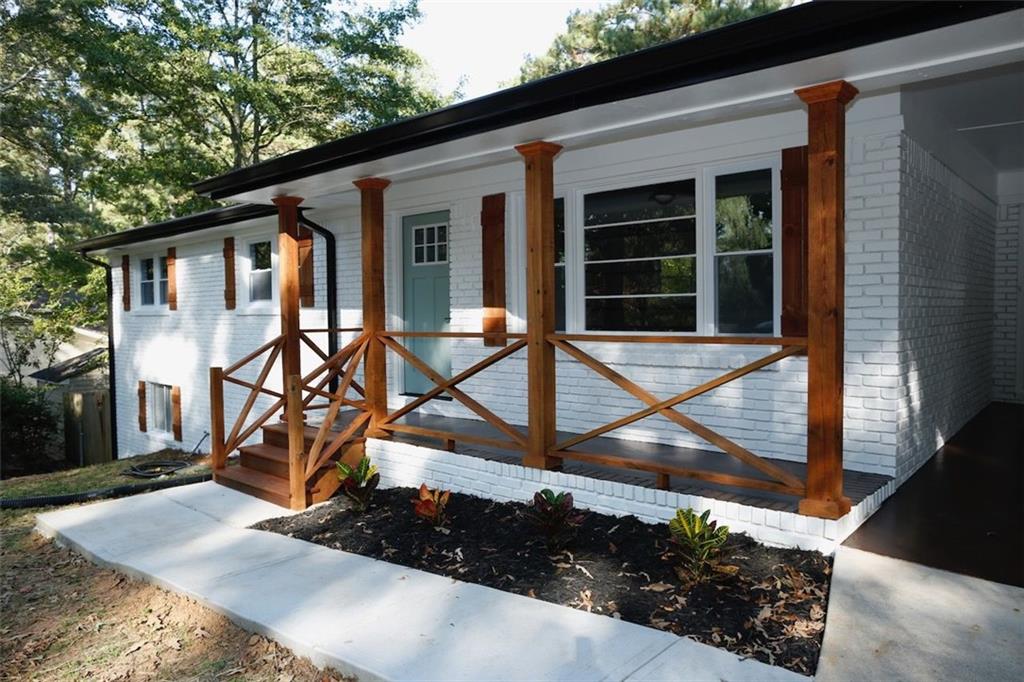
(355, 378)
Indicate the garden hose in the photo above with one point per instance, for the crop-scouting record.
(154, 469)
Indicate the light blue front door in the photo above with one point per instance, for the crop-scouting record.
(425, 294)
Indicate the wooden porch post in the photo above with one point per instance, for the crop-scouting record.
(291, 368)
(540, 301)
(826, 171)
(375, 370)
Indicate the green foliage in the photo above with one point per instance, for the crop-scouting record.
(359, 482)
(630, 25)
(431, 505)
(698, 541)
(112, 108)
(30, 424)
(555, 516)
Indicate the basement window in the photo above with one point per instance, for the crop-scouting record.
(159, 407)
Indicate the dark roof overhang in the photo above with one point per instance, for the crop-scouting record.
(791, 35)
(177, 226)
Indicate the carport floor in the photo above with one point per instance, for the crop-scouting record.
(963, 511)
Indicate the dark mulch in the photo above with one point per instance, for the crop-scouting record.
(772, 608)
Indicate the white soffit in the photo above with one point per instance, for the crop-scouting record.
(984, 43)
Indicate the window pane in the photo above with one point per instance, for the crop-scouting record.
(260, 253)
(430, 235)
(163, 291)
(146, 293)
(417, 235)
(655, 314)
(259, 286)
(743, 211)
(442, 233)
(559, 230)
(430, 258)
(146, 269)
(418, 255)
(560, 298)
(669, 276)
(668, 238)
(163, 267)
(662, 200)
(442, 253)
(745, 294)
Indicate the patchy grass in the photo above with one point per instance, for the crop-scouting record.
(67, 619)
(93, 477)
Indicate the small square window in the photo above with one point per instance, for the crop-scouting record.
(430, 244)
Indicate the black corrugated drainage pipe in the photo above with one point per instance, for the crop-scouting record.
(111, 374)
(331, 256)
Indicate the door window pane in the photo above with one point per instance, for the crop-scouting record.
(430, 244)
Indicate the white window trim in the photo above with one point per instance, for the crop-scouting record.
(252, 306)
(154, 308)
(773, 163)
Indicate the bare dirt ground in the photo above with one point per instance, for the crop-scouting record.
(63, 618)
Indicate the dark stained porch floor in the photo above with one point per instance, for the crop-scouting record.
(963, 511)
(857, 485)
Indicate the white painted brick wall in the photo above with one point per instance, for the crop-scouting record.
(947, 240)
(1009, 254)
(405, 465)
(178, 347)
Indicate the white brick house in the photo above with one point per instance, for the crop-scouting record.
(933, 313)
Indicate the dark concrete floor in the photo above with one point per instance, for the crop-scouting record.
(963, 511)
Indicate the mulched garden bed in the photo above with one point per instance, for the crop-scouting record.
(772, 608)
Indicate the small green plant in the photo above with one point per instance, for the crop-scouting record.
(359, 482)
(431, 505)
(555, 516)
(698, 541)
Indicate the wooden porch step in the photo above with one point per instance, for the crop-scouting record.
(255, 483)
(272, 459)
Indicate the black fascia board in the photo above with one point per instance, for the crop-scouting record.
(178, 226)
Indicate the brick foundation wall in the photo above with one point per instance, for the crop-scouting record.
(1009, 259)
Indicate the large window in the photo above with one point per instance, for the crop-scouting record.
(153, 281)
(261, 259)
(640, 258)
(159, 407)
(743, 253)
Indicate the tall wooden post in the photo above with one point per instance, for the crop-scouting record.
(826, 172)
(371, 192)
(218, 456)
(291, 364)
(540, 301)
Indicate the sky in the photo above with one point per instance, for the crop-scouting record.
(485, 41)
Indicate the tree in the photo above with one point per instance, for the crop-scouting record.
(630, 25)
(113, 108)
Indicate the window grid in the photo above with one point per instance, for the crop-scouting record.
(430, 244)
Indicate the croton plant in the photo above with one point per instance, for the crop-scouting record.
(359, 482)
(430, 505)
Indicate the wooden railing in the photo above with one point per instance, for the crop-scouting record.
(516, 439)
(781, 480)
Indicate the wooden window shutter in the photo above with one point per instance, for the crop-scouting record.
(229, 273)
(492, 222)
(126, 283)
(172, 279)
(794, 241)
(176, 411)
(142, 405)
(306, 289)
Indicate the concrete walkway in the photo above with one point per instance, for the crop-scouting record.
(364, 617)
(890, 619)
